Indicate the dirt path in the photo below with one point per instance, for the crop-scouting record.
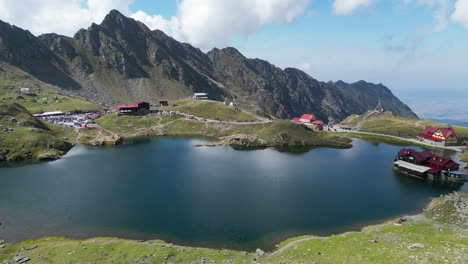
(457, 149)
(292, 244)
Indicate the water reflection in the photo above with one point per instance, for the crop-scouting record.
(166, 188)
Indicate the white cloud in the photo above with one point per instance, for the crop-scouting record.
(347, 7)
(441, 13)
(208, 23)
(59, 16)
(460, 15)
(205, 23)
(306, 67)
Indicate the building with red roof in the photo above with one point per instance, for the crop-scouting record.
(136, 108)
(426, 165)
(307, 118)
(442, 136)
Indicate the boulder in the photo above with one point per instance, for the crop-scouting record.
(415, 246)
(47, 156)
(20, 258)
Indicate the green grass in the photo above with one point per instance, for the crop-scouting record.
(385, 123)
(30, 138)
(127, 125)
(292, 134)
(47, 99)
(274, 134)
(464, 157)
(46, 102)
(381, 139)
(211, 110)
(442, 241)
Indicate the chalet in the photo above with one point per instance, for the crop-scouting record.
(317, 122)
(25, 91)
(200, 96)
(136, 108)
(441, 136)
(426, 165)
(307, 118)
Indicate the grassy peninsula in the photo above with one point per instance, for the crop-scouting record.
(23, 136)
(223, 124)
(439, 235)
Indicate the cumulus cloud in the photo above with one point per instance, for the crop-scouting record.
(209, 23)
(59, 16)
(205, 23)
(460, 15)
(347, 7)
(442, 9)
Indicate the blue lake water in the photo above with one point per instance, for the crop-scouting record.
(167, 189)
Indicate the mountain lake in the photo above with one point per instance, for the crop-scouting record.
(165, 188)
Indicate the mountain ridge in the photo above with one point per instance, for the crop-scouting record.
(122, 60)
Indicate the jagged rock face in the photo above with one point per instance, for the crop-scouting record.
(59, 45)
(23, 50)
(122, 60)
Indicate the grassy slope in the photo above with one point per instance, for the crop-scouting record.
(278, 133)
(47, 98)
(30, 137)
(442, 240)
(394, 125)
(464, 157)
(211, 109)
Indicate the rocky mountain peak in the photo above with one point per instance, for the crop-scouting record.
(122, 60)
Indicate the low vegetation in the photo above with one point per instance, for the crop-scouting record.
(464, 157)
(437, 236)
(211, 110)
(273, 134)
(44, 97)
(386, 123)
(25, 137)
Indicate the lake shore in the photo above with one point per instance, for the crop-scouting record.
(437, 236)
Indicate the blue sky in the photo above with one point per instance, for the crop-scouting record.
(418, 48)
(389, 42)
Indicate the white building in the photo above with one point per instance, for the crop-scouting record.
(200, 96)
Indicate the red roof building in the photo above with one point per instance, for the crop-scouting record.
(317, 122)
(444, 136)
(133, 108)
(307, 118)
(428, 159)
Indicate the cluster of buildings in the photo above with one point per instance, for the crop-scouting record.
(77, 120)
(309, 120)
(426, 165)
(142, 108)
